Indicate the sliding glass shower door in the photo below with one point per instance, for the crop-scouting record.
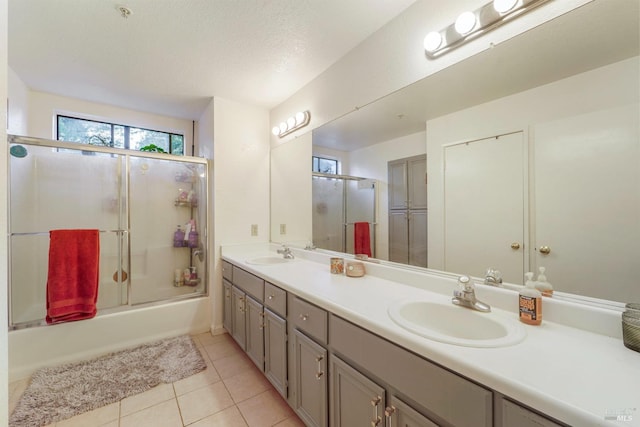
(135, 200)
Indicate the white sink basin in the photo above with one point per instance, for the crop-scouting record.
(268, 260)
(456, 325)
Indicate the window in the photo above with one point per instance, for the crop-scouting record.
(93, 132)
(322, 165)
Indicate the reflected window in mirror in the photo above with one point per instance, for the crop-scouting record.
(324, 165)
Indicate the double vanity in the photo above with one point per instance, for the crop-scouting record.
(390, 349)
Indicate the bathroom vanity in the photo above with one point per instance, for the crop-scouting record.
(329, 346)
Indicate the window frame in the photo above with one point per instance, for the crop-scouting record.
(127, 132)
(319, 158)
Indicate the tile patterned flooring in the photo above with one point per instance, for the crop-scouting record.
(231, 392)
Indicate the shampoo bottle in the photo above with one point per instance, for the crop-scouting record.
(193, 235)
(530, 302)
(178, 238)
(542, 285)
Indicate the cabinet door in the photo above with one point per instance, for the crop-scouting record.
(398, 184)
(514, 415)
(355, 399)
(275, 351)
(238, 308)
(398, 237)
(399, 414)
(418, 238)
(417, 183)
(227, 310)
(254, 328)
(310, 365)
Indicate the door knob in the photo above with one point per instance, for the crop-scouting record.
(545, 250)
(515, 246)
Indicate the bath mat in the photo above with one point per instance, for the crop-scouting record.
(58, 393)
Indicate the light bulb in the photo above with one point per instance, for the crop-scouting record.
(275, 130)
(465, 23)
(504, 6)
(291, 122)
(283, 127)
(432, 41)
(300, 116)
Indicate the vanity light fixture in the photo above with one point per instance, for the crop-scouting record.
(293, 123)
(472, 23)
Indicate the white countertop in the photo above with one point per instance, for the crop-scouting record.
(574, 375)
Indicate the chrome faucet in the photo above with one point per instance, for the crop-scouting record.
(285, 251)
(493, 277)
(466, 295)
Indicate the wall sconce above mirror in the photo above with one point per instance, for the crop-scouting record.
(292, 124)
(469, 25)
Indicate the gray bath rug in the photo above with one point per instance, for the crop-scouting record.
(55, 394)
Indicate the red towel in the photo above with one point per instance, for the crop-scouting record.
(72, 284)
(361, 239)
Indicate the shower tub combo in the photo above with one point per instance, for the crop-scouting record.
(136, 200)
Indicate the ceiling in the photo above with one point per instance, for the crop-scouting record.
(170, 57)
(600, 33)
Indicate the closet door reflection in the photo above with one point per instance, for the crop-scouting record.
(484, 206)
(587, 202)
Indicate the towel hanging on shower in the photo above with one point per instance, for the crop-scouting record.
(72, 282)
(361, 238)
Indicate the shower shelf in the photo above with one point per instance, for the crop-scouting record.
(185, 204)
(190, 282)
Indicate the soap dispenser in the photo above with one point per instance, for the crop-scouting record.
(542, 285)
(530, 302)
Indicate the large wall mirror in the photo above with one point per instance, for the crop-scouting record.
(533, 156)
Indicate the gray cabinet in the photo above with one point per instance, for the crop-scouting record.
(511, 414)
(227, 319)
(400, 414)
(275, 351)
(254, 332)
(238, 307)
(408, 211)
(354, 399)
(439, 392)
(310, 395)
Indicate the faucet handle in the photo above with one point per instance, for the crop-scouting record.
(466, 283)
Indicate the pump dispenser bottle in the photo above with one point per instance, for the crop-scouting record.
(530, 302)
(542, 285)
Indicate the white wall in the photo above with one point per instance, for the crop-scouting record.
(371, 162)
(4, 327)
(293, 195)
(43, 108)
(18, 104)
(241, 180)
(394, 57)
(605, 87)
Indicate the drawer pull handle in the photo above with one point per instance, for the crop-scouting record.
(320, 373)
(270, 297)
(304, 317)
(376, 418)
(388, 412)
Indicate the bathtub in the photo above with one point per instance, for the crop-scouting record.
(34, 348)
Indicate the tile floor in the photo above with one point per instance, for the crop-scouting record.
(231, 392)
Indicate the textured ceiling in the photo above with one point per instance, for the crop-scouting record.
(171, 56)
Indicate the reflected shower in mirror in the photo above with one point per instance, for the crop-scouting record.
(344, 213)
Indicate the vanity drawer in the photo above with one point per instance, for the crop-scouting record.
(275, 298)
(249, 283)
(227, 271)
(310, 319)
(441, 393)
